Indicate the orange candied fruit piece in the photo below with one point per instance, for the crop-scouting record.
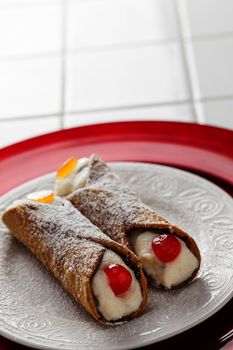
(41, 197)
(67, 168)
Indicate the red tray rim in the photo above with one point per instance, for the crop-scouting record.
(18, 147)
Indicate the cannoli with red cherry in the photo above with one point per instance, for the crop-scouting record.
(103, 276)
(170, 257)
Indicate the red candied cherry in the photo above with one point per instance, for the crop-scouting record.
(119, 278)
(166, 247)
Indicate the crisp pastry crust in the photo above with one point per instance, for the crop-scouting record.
(69, 246)
(116, 210)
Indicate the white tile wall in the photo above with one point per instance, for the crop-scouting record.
(90, 61)
(29, 87)
(30, 30)
(14, 131)
(173, 113)
(22, 3)
(125, 77)
(210, 17)
(214, 66)
(219, 113)
(101, 22)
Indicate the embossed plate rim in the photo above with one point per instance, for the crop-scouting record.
(36, 342)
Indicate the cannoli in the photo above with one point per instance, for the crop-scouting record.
(103, 276)
(170, 257)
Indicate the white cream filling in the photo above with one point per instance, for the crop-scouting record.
(167, 274)
(76, 179)
(114, 307)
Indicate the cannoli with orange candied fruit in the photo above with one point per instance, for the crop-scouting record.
(169, 255)
(102, 275)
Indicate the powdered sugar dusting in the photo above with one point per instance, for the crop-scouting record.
(126, 209)
(68, 244)
(65, 218)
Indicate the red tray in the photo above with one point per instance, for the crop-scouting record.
(196, 147)
(205, 150)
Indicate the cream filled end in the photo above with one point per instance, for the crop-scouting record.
(76, 179)
(164, 273)
(113, 307)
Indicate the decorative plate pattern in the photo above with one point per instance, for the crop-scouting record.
(36, 311)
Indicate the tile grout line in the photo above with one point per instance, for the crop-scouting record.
(130, 107)
(63, 65)
(85, 50)
(29, 117)
(114, 47)
(119, 108)
(210, 36)
(29, 57)
(184, 57)
(99, 110)
(189, 61)
(122, 46)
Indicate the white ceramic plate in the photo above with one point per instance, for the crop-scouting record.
(36, 311)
